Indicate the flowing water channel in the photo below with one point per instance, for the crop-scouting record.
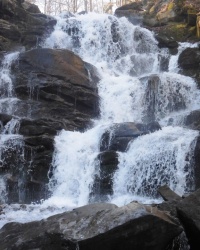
(126, 57)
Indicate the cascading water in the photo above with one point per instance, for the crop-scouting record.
(11, 143)
(133, 88)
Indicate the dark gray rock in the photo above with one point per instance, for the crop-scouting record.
(167, 194)
(165, 42)
(189, 63)
(4, 119)
(189, 58)
(22, 24)
(154, 98)
(95, 226)
(133, 12)
(197, 163)
(103, 179)
(119, 135)
(32, 8)
(189, 213)
(193, 120)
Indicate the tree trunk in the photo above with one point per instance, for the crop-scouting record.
(91, 6)
(85, 3)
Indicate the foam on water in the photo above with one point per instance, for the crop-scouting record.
(156, 159)
(74, 166)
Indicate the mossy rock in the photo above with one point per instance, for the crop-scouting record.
(179, 32)
(170, 6)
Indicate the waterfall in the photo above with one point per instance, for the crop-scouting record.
(129, 63)
(7, 95)
(133, 88)
(11, 143)
(153, 160)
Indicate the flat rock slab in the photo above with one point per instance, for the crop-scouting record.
(167, 194)
(95, 227)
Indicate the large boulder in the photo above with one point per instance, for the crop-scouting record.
(163, 11)
(192, 120)
(133, 12)
(22, 24)
(189, 59)
(95, 226)
(189, 213)
(173, 19)
(59, 77)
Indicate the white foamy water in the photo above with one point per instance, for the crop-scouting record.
(154, 160)
(6, 83)
(74, 166)
(128, 61)
(7, 95)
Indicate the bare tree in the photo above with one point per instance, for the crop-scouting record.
(54, 7)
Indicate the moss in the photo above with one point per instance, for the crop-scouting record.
(152, 10)
(170, 6)
(180, 32)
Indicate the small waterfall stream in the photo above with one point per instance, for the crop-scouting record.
(133, 88)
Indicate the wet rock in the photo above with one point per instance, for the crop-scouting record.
(189, 63)
(103, 179)
(193, 120)
(32, 8)
(22, 24)
(189, 58)
(56, 90)
(197, 163)
(4, 119)
(155, 97)
(95, 226)
(133, 12)
(167, 194)
(165, 42)
(59, 77)
(189, 213)
(9, 31)
(119, 135)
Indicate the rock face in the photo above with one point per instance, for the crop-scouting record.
(167, 194)
(189, 61)
(55, 90)
(186, 212)
(189, 213)
(103, 181)
(173, 19)
(22, 24)
(193, 122)
(97, 226)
